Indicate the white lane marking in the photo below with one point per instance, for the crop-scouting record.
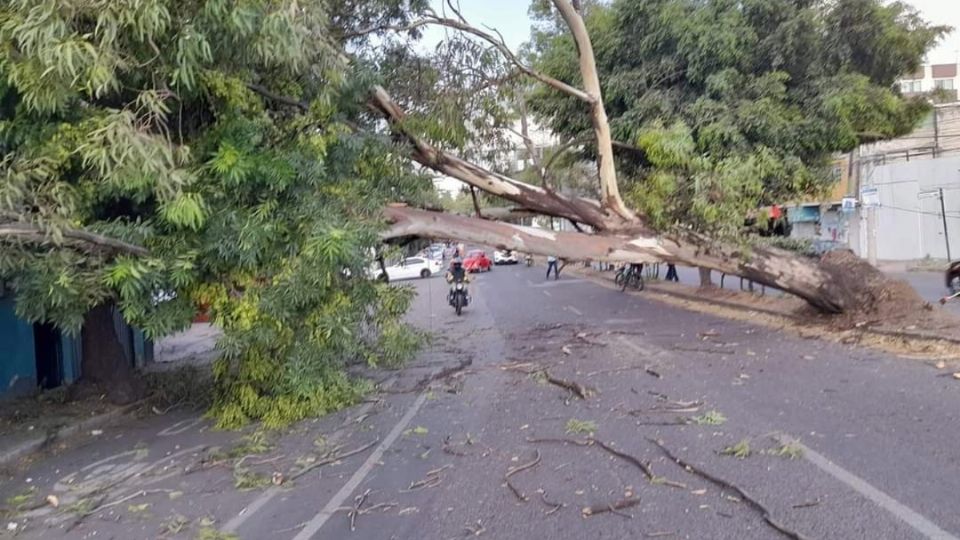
(573, 309)
(314, 525)
(547, 293)
(234, 524)
(921, 524)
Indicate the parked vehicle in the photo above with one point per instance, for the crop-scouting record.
(504, 257)
(410, 268)
(477, 261)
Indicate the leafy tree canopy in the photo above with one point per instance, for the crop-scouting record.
(735, 104)
(222, 142)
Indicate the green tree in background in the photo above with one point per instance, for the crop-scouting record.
(161, 155)
(735, 104)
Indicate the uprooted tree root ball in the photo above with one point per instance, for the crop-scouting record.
(875, 299)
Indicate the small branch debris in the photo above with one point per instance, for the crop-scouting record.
(514, 470)
(574, 387)
(613, 508)
(333, 459)
(358, 510)
(554, 507)
(807, 504)
(644, 467)
(754, 503)
(432, 479)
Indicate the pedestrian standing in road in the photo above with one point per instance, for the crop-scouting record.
(552, 264)
(672, 273)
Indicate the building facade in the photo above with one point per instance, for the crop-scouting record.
(942, 78)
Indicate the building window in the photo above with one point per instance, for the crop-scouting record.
(910, 87)
(943, 84)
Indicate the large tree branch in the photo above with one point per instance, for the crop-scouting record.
(609, 190)
(528, 196)
(34, 234)
(788, 272)
(497, 43)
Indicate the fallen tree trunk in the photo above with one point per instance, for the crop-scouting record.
(797, 275)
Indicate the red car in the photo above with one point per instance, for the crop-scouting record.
(477, 261)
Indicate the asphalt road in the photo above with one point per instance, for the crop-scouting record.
(878, 453)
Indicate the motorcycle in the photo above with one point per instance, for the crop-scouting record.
(458, 297)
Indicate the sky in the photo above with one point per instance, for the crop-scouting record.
(511, 19)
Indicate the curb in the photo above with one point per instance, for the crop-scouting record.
(9, 456)
(917, 336)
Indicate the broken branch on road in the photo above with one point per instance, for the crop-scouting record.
(574, 387)
(514, 470)
(613, 508)
(333, 459)
(754, 503)
(554, 506)
(432, 479)
(644, 467)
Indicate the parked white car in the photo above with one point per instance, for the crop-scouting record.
(410, 268)
(504, 257)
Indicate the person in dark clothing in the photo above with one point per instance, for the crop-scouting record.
(672, 273)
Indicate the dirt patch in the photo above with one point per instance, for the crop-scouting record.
(51, 410)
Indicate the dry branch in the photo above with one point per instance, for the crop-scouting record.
(574, 387)
(27, 232)
(752, 502)
(613, 508)
(333, 459)
(514, 470)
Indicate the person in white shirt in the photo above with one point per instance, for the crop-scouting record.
(552, 264)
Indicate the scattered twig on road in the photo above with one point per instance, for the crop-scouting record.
(613, 508)
(514, 470)
(358, 510)
(554, 506)
(754, 503)
(659, 534)
(645, 468)
(807, 504)
(432, 479)
(574, 387)
(333, 459)
(677, 422)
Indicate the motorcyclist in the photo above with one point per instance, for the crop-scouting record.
(456, 274)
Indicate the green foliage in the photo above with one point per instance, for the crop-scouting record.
(734, 105)
(581, 426)
(710, 418)
(741, 450)
(142, 121)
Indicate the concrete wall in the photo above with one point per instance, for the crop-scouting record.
(909, 227)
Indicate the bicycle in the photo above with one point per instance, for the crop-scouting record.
(629, 276)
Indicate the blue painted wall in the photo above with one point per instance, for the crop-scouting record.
(18, 368)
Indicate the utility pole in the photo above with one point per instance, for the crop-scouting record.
(946, 235)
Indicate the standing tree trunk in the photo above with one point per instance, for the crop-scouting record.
(104, 361)
(705, 280)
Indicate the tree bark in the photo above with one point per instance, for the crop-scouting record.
(609, 190)
(705, 280)
(773, 267)
(104, 361)
(544, 201)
